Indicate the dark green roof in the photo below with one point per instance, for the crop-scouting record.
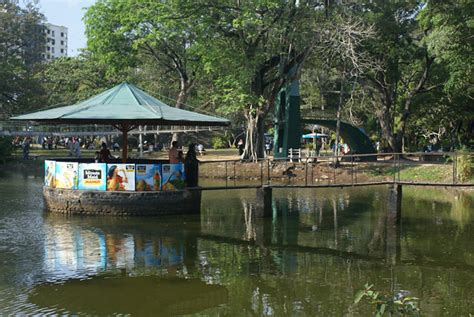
(124, 103)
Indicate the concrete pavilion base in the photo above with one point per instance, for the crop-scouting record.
(83, 202)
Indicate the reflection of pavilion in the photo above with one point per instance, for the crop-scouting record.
(325, 248)
(70, 249)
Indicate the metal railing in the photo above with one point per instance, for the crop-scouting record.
(417, 168)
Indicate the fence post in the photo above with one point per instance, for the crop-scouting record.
(394, 167)
(226, 178)
(261, 173)
(234, 176)
(355, 173)
(268, 172)
(352, 170)
(312, 173)
(398, 167)
(455, 162)
(306, 173)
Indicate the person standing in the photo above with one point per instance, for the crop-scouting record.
(76, 147)
(104, 154)
(26, 147)
(175, 155)
(240, 146)
(191, 167)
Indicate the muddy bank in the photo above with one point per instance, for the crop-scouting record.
(318, 172)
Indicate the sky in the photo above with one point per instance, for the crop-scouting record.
(68, 13)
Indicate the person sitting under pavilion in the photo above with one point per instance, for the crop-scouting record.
(104, 154)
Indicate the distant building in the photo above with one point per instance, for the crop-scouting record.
(56, 41)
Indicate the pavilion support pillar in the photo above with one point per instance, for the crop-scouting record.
(264, 202)
(124, 128)
(125, 143)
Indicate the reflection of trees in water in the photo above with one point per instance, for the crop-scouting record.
(285, 265)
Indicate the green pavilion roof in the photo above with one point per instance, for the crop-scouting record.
(124, 103)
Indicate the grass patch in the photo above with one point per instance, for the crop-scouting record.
(426, 172)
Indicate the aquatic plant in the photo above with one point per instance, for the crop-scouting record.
(391, 305)
(464, 166)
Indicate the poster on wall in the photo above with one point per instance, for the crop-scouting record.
(66, 175)
(120, 177)
(173, 177)
(92, 176)
(49, 172)
(147, 177)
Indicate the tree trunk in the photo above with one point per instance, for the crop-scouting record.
(255, 137)
(384, 116)
(185, 86)
(338, 116)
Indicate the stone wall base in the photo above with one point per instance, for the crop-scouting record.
(71, 201)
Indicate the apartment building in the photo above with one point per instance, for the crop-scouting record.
(56, 41)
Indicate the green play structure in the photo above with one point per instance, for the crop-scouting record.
(288, 126)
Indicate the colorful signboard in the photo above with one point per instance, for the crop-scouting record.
(93, 176)
(66, 175)
(120, 177)
(173, 177)
(49, 173)
(148, 177)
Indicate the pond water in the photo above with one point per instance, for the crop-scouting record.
(320, 248)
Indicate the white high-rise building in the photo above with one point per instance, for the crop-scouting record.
(56, 41)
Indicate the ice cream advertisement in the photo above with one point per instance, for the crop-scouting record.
(66, 175)
(148, 177)
(93, 176)
(120, 177)
(49, 173)
(173, 177)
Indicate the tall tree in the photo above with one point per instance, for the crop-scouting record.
(22, 41)
(67, 80)
(405, 65)
(123, 33)
(253, 49)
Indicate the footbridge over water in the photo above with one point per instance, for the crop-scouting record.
(288, 124)
(357, 140)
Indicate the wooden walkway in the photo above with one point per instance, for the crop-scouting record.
(342, 185)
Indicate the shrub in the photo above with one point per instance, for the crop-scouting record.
(6, 147)
(464, 166)
(218, 142)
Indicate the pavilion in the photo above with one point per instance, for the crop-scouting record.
(124, 107)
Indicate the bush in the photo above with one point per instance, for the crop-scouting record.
(6, 148)
(218, 142)
(464, 166)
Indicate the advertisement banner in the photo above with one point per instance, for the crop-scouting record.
(93, 176)
(120, 177)
(49, 173)
(66, 175)
(147, 177)
(173, 177)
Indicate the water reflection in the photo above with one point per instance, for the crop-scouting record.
(77, 245)
(319, 248)
(136, 295)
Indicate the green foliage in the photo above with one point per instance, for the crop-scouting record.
(451, 24)
(218, 142)
(21, 42)
(67, 80)
(151, 36)
(464, 166)
(6, 148)
(388, 304)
